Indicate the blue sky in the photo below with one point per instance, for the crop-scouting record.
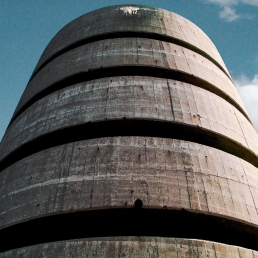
(26, 27)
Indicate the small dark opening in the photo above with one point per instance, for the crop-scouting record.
(138, 204)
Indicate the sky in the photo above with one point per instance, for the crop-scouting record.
(27, 26)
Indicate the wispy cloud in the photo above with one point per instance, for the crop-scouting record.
(248, 90)
(228, 12)
(233, 2)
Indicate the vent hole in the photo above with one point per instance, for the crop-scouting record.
(138, 204)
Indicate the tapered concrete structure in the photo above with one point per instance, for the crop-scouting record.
(130, 140)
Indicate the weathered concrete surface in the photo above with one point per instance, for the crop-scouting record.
(132, 247)
(130, 97)
(147, 20)
(114, 172)
(129, 51)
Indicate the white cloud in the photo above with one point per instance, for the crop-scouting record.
(233, 2)
(229, 13)
(248, 90)
(223, 2)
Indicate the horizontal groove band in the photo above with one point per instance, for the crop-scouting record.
(114, 71)
(129, 34)
(130, 127)
(129, 52)
(135, 221)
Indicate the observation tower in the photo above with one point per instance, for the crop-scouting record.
(130, 140)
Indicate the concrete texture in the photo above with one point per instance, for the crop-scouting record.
(148, 20)
(129, 51)
(112, 172)
(119, 64)
(131, 98)
(132, 247)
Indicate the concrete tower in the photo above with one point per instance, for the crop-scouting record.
(129, 140)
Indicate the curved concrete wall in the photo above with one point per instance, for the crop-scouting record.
(131, 98)
(115, 171)
(148, 20)
(130, 110)
(130, 52)
(132, 247)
